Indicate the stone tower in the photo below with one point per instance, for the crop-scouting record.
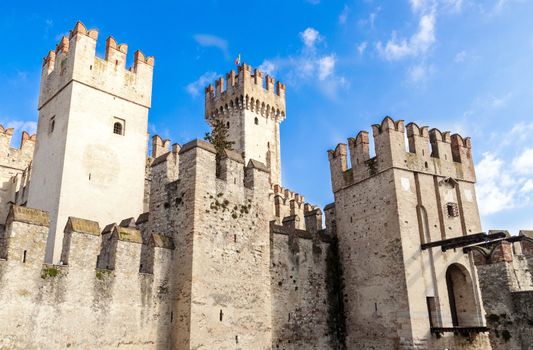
(252, 109)
(93, 113)
(391, 212)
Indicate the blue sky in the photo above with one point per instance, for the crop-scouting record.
(459, 65)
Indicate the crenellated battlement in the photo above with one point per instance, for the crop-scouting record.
(230, 167)
(74, 59)
(27, 143)
(160, 146)
(428, 151)
(245, 90)
(287, 203)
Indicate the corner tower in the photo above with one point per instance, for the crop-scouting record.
(92, 134)
(252, 106)
(395, 212)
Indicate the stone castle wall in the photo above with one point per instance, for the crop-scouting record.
(223, 257)
(14, 169)
(77, 305)
(506, 283)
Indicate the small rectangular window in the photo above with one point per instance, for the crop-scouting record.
(52, 124)
(119, 126)
(453, 210)
(433, 311)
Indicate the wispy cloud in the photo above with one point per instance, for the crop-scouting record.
(268, 67)
(496, 188)
(309, 65)
(361, 48)
(209, 40)
(505, 175)
(453, 5)
(29, 126)
(344, 14)
(460, 57)
(495, 7)
(500, 101)
(371, 19)
(418, 44)
(195, 88)
(310, 37)
(419, 72)
(523, 164)
(326, 65)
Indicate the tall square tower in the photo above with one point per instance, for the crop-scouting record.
(92, 134)
(252, 106)
(401, 290)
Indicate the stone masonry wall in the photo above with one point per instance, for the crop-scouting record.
(77, 305)
(386, 207)
(304, 306)
(506, 284)
(14, 169)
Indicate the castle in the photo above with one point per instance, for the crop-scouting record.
(106, 247)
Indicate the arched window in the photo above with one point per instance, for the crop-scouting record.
(227, 125)
(117, 128)
(256, 121)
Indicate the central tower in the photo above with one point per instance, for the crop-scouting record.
(252, 106)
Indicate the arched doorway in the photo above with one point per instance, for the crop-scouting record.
(463, 306)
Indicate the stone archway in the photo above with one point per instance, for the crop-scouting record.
(463, 306)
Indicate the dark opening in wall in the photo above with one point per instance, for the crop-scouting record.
(117, 128)
(24, 257)
(452, 209)
(256, 121)
(52, 124)
(221, 315)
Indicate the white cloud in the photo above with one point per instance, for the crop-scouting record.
(268, 67)
(22, 125)
(418, 44)
(19, 126)
(495, 191)
(371, 18)
(419, 72)
(326, 65)
(499, 101)
(523, 164)
(362, 47)
(528, 187)
(309, 66)
(421, 5)
(195, 88)
(454, 5)
(501, 186)
(460, 57)
(344, 14)
(495, 7)
(208, 40)
(310, 37)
